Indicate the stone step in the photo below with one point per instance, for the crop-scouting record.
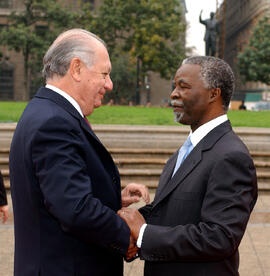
(4, 151)
(153, 163)
(141, 153)
(260, 155)
(166, 153)
(150, 177)
(119, 153)
(139, 163)
(260, 216)
(145, 163)
(157, 172)
(4, 162)
(153, 153)
(262, 166)
(263, 186)
(256, 139)
(151, 184)
(140, 175)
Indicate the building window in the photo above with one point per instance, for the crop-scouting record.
(91, 2)
(2, 26)
(5, 4)
(41, 30)
(6, 82)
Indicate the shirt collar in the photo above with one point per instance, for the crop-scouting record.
(203, 130)
(66, 96)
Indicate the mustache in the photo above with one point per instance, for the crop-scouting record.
(176, 102)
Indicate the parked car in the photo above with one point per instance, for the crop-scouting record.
(261, 105)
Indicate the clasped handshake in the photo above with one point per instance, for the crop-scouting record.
(132, 193)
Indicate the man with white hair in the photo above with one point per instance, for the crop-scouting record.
(65, 186)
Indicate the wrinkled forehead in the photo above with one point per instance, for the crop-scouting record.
(188, 71)
(102, 59)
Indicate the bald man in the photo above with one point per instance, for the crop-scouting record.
(65, 186)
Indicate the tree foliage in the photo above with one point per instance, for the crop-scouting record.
(32, 30)
(150, 30)
(254, 61)
(124, 78)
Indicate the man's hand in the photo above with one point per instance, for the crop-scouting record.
(133, 219)
(4, 212)
(132, 249)
(133, 192)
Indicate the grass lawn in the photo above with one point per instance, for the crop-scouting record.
(11, 112)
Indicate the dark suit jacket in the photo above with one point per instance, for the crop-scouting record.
(65, 191)
(198, 217)
(3, 195)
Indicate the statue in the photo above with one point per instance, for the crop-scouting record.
(211, 33)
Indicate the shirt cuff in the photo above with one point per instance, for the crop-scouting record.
(139, 240)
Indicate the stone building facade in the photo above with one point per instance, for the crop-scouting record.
(11, 76)
(238, 19)
(12, 69)
(156, 91)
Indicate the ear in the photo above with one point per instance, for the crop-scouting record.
(215, 95)
(75, 69)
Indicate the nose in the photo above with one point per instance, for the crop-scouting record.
(108, 83)
(174, 95)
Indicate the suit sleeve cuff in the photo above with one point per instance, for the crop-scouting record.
(139, 240)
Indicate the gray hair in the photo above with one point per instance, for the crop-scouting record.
(215, 73)
(68, 45)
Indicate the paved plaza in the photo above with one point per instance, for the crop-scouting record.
(254, 249)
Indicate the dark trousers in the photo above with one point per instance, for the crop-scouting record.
(210, 47)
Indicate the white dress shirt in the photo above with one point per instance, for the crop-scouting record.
(195, 138)
(66, 96)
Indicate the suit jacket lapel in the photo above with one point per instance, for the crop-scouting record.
(186, 168)
(67, 106)
(167, 183)
(166, 174)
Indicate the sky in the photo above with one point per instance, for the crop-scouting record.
(195, 30)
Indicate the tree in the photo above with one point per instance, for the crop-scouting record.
(149, 32)
(254, 61)
(32, 31)
(147, 29)
(124, 78)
